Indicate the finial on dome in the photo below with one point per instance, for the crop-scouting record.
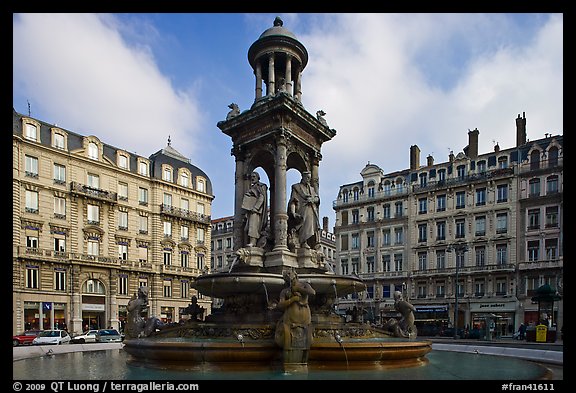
(278, 22)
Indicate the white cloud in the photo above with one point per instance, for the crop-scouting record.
(79, 69)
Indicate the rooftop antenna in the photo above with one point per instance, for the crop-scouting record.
(29, 112)
(169, 141)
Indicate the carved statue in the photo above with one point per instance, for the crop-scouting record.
(195, 311)
(255, 203)
(136, 325)
(294, 330)
(405, 326)
(303, 207)
(320, 116)
(234, 111)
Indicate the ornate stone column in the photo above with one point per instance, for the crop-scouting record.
(280, 214)
(238, 195)
(288, 76)
(271, 85)
(258, 80)
(298, 91)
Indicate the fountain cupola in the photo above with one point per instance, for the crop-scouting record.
(278, 59)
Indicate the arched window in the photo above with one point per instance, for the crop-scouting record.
(93, 286)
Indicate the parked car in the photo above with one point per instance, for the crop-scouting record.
(52, 337)
(108, 336)
(25, 338)
(88, 336)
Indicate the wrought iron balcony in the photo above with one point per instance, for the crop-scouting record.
(185, 214)
(92, 192)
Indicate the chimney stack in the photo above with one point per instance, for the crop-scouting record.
(473, 143)
(521, 130)
(429, 160)
(414, 157)
(325, 224)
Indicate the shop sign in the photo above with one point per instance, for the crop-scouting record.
(493, 307)
(92, 307)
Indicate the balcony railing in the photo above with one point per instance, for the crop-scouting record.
(92, 192)
(185, 214)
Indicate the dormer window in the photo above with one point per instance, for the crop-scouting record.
(31, 132)
(58, 141)
(143, 168)
(200, 185)
(92, 151)
(123, 161)
(184, 179)
(167, 174)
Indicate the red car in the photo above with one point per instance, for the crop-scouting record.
(25, 338)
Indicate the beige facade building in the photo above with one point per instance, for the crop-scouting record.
(92, 223)
(478, 233)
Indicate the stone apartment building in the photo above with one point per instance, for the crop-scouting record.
(93, 222)
(478, 233)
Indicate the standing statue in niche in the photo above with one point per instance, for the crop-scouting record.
(303, 221)
(255, 203)
(294, 329)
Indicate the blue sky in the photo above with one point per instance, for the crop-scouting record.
(385, 81)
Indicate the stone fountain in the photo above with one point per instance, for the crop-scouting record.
(278, 292)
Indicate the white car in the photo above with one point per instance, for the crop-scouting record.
(88, 336)
(56, 337)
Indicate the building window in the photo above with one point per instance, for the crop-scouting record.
(167, 200)
(422, 290)
(123, 221)
(398, 262)
(184, 233)
(460, 200)
(440, 289)
(200, 208)
(142, 196)
(167, 228)
(552, 184)
(535, 160)
(501, 287)
(143, 224)
(386, 210)
(441, 230)
(31, 132)
(441, 175)
(344, 266)
(58, 141)
(398, 236)
(59, 280)
(59, 207)
(93, 214)
(461, 170)
(479, 287)
(501, 222)
(502, 162)
(200, 235)
(344, 242)
(143, 168)
(31, 201)
(386, 264)
(32, 241)
(345, 196)
(167, 174)
(184, 289)
(423, 179)
(551, 216)
(480, 226)
(123, 284)
(441, 203)
(93, 247)
(123, 161)
(142, 254)
(481, 166)
(355, 266)
(533, 250)
(355, 217)
(370, 213)
(502, 191)
(31, 166)
(93, 181)
(441, 260)
(534, 219)
(534, 185)
(387, 187)
(551, 246)
(422, 261)
(370, 264)
(123, 251)
(355, 241)
(422, 205)
(32, 277)
(356, 194)
(480, 196)
(92, 151)
(184, 258)
(200, 261)
(370, 239)
(399, 210)
(480, 256)
(371, 190)
(200, 185)
(502, 254)
(59, 174)
(184, 179)
(123, 191)
(422, 232)
(460, 228)
(59, 243)
(167, 254)
(185, 204)
(167, 286)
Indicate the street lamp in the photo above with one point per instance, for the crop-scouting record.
(459, 249)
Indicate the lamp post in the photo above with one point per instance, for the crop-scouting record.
(459, 249)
